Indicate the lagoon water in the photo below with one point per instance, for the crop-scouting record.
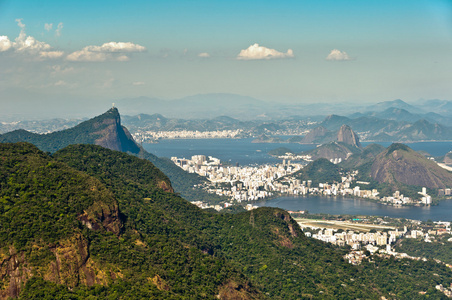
(244, 152)
(351, 206)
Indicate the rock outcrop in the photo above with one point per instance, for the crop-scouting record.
(348, 136)
(114, 136)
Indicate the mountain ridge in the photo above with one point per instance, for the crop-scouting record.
(106, 130)
(400, 164)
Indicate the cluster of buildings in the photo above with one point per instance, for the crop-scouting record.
(378, 242)
(357, 240)
(218, 207)
(446, 291)
(444, 192)
(241, 183)
(146, 136)
(305, 157)
(400, 199)
(251, 183)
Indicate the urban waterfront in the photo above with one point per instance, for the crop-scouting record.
(244, 152)
(353, 206)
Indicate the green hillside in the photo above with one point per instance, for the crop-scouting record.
(92, 223)
(106, 130)
(319, 171)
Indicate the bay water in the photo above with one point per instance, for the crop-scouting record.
(243, 152)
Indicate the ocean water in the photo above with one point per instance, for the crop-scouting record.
(234, 151)
(244, 152)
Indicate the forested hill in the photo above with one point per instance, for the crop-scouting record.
(92, 223)
(106, 130)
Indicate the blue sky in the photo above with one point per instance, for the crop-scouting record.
(288, 51)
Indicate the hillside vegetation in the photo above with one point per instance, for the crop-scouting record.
(89, 222)
(106, 131)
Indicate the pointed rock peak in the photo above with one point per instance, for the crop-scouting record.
(348, 136)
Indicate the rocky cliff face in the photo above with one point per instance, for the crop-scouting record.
(348, 136)
(400, 164)
(104, 130)
(70, 264)
(114, 136)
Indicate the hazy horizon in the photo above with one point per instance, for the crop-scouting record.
(73, 58)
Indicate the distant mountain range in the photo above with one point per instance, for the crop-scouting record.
(204, 106)
(394, 121)
(386, 130)
(398, 167)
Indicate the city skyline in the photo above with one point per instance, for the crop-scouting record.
(67, 55)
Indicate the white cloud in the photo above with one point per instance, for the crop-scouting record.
(86, 55)
(5, 43)
(338, 55)
(30, 45)
(51, 54)
(116, 47)
(59, 28)
(20, 24)
(259, 52)
(108, 51)
(122, 58)
(138, 83)
(48, 26)
(204, 55)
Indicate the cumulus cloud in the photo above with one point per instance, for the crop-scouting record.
(259, 52)
(204, 55)
(51, 54)
(116, 47)
(5, 43)
(29, 45)
(337, 55)
(86, 55)
(24, 43)
(48, 26)
(138, 83)
(113, 51)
